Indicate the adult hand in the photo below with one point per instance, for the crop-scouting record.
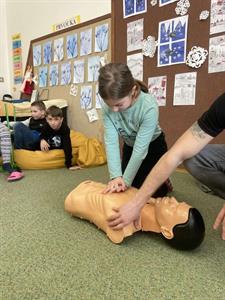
(220, 220)
(44, 146)
(125, 215)
(115, 185)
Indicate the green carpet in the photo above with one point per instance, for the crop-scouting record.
(46, 254)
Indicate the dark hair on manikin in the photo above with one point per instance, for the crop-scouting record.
(189, 235)
(116, 81)
(39, 104)
(54, 111)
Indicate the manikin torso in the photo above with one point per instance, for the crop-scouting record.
(88, 202)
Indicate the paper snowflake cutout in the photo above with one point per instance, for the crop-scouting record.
(153, 2)
(196, 57)
(182, 7)
(204, 15)
(149, 46)
(184, 3)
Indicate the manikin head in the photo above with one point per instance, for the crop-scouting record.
(180, 224)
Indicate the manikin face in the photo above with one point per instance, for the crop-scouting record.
(54, 122)
(169, 213)
(37, 113)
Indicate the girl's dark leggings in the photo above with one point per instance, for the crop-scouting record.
(156, 149)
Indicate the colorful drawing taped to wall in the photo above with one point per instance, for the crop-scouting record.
(65, 73)
(217, 16)
(135, 35)
(157, 87)
(17, 58)
(86, 97)
(217, 54)
(71, 46)
(37, 55)
(85, 42)
(101, 37)
(134, 7)
(43, 72)
(53, 75)
(185, 88)
(58, 49)
(135, 64)
(172, 41)
(47, 59)
(93, 68)
(78, 71)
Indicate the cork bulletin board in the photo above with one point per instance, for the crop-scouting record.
(82, 63)
(174, 120)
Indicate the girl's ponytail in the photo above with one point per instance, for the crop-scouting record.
(141, 86)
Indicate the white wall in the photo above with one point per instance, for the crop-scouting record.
(33, 19)
(4, 51)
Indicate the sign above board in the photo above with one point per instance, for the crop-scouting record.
(67, 23)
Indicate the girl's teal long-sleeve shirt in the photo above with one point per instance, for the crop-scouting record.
(138, 126)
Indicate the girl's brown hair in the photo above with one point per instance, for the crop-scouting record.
(116, 82)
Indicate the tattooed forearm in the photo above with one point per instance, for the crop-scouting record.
(197, 131)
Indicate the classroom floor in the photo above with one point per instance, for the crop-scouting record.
(46, 254)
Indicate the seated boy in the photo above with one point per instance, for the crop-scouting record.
(5, 151)
(56, 134)
(27, 133)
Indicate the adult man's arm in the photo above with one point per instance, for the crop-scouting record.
(188, 145)
(220, 219)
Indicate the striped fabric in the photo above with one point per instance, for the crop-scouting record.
(5, 144)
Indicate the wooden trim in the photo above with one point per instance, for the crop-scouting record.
(113, 39)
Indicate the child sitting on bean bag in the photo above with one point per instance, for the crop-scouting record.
(27, 133)
(56, 134)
